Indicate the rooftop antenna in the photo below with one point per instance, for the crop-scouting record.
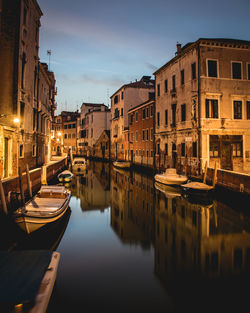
(49, 54)
(108, 98)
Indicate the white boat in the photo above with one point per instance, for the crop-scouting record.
(50, 204)
(197, 189)
(170, 177)
(122, 164)
(65, 176)
(79, 165)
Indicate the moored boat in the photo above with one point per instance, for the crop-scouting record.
(122, 164)
(49, 205)
(79, 165)
(65, 176)
(170, 177)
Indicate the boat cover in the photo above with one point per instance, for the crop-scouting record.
(21, 273)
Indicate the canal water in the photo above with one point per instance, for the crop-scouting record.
(130, 245)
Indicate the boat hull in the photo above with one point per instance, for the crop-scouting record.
(170, 180)
(122, 164)
(33, 220)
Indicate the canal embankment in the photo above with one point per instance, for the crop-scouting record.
(37, 176)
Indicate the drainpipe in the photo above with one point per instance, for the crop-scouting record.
(199, 111)
(37, 112)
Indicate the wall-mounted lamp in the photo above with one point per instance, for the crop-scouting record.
(16, 120)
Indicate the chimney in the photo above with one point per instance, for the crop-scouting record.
(178, 46)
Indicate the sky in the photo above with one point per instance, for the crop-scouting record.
(99, 45)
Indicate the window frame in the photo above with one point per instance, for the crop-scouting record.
(232, 72)
(217, 68)
(210, 101)
(234, 112)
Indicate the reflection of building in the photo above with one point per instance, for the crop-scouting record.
(125, 98)
(205, 239)
(203, 106)
(91, 191)
(94, 119)
(132, 211)
(140, 136)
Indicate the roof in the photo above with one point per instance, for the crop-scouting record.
(93, 104)
(191, 45)
(144, 82)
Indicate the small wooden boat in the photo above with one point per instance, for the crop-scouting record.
(169, 191)
(79, 165)
(50, 204)
(122, 164)
(65, 176)
(170, 177)
(200, 189)
(27, 280)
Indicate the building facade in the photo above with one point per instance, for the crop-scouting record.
(94, 119)
(27, 89)
(140, 136)
(203, 105)
(69, 127)
(125, 98)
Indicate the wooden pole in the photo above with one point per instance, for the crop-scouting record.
(215, 174)
(205, 174)
(3, 200)
(28, 180)
(20, 184)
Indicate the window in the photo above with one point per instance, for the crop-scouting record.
(116, 113)
(131, 137)
(166, 149)
(121, 111)
(34, 150)
(143, 134)
(194, 146)
(173, 83)
(24, 61)
(248, 71)
(166, 85)
(237, 149)
(214, 146)
(237, 110)
(183, 112)
(158, 90)
(182, 77)
(166, 117)
(158, 118)
(69, 136)
(65, 136)
(158, 148)
(151, 110)
(212, 68)
(122, 95)
(151, 134)
(131, 119)
(21, 151)
(183, 149)
(248, 110)
(147, 112)
(193, 68)
(211, 108)
(147, 134)
(236, 70)
(136, 135)
(116, 99)
(143, 113)
(136, 116)
(173, 114)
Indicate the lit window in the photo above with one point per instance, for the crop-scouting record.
(211, 108)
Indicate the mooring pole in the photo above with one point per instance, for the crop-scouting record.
(3, 200)
(20, 184)
(28, 180)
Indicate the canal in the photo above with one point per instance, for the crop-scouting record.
(128, 245)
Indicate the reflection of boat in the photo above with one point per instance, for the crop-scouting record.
(170, 177)
(79, 165)
(27, 280)
(65, 176)
(50, 204)
(169, 191)
(122, 164)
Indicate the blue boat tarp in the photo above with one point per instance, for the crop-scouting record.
(21, 273)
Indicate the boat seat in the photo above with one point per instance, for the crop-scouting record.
(52, 192)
